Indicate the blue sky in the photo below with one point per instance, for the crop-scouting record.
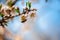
(47, 12)
(48, 18)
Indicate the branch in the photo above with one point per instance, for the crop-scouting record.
(6, 18)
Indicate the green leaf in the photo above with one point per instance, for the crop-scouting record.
(0, 6)
(10, 3)
(17, 10)
(1, 15)
(28, 4)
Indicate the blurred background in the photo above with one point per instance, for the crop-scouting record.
(45, 26)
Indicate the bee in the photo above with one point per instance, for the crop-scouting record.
(23, 19)
(32, 15)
